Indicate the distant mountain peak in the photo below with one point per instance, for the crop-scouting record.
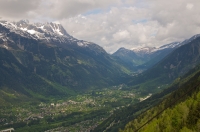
(190, 39)
(53, 27)
(39, 30)
(144, 50)
(124, 51)
(146, 56)
(150, 50)
(49, 32)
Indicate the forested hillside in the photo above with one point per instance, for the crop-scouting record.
(179, 111)
(184, 87)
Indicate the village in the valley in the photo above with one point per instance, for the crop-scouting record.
(75, 108)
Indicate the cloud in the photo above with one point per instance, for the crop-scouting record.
(17, 8)
(112, 29)
(115, 23)
(176, 20)
(67, 8)
(142, 23)
(51, 9)
(121, 36)
(189, 6)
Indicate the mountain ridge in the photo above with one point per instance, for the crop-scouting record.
(146, 57)
(73, 64)
(176, 64)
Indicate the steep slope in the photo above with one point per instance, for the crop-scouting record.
(182, 89)
(18, 83)
(179, 111)
(177, 63)
(38, 57)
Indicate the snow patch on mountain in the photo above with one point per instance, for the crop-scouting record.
(83, 43)
(80, 44)
(196, 36)
(5, 46)
(191, 39)
(144, 50)
(168, 46)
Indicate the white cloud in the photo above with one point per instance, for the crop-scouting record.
(61, 9)
(12, 9)
(121, 36)
(115, 23)
(189, 6)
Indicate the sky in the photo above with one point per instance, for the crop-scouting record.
(113, 24)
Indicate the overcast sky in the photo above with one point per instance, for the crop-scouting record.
(113, 23)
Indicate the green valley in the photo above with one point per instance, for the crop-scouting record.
(51, 81)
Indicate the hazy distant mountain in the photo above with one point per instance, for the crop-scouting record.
(175, 64)
(144, 58)
(129, 56)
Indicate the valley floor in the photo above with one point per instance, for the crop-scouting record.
(82, 112)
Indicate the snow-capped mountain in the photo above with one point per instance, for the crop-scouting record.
(150, 50)
(148, 56)
(38, 28)
(52, 33)
(168, 46)
(190, 39)
(144, 50)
